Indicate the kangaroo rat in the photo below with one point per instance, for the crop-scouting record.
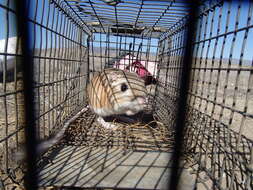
(114, 92)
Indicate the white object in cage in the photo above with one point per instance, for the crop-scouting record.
(11, 47)
(142, 67)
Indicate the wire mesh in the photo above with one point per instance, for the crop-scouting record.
(218, 120)
(59, 53)
(136, 17)
(72, 39)
(12, 100)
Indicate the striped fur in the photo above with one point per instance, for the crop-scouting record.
(106, 97)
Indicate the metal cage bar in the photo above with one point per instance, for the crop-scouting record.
(58, 46)
(73, 39)
(220, 128)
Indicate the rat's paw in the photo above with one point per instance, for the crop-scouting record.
(107, 125)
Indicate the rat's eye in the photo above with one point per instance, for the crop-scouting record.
(123, 87)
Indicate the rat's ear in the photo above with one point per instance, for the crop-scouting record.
(113, 76)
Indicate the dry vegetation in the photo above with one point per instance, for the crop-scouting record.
(85, 131)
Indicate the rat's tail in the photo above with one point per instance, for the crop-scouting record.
(43, 146)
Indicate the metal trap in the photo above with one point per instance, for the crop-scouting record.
(135, 156)
(195, 58)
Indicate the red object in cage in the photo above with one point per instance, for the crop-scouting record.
(145, 69)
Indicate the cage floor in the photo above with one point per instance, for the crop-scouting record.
(78, 166)
(133, 156)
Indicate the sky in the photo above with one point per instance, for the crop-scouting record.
(237, 44)
(238, 41)
(126, 41)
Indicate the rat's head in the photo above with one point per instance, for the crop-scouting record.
(128, 92)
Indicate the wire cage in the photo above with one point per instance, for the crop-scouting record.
(197, 61)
